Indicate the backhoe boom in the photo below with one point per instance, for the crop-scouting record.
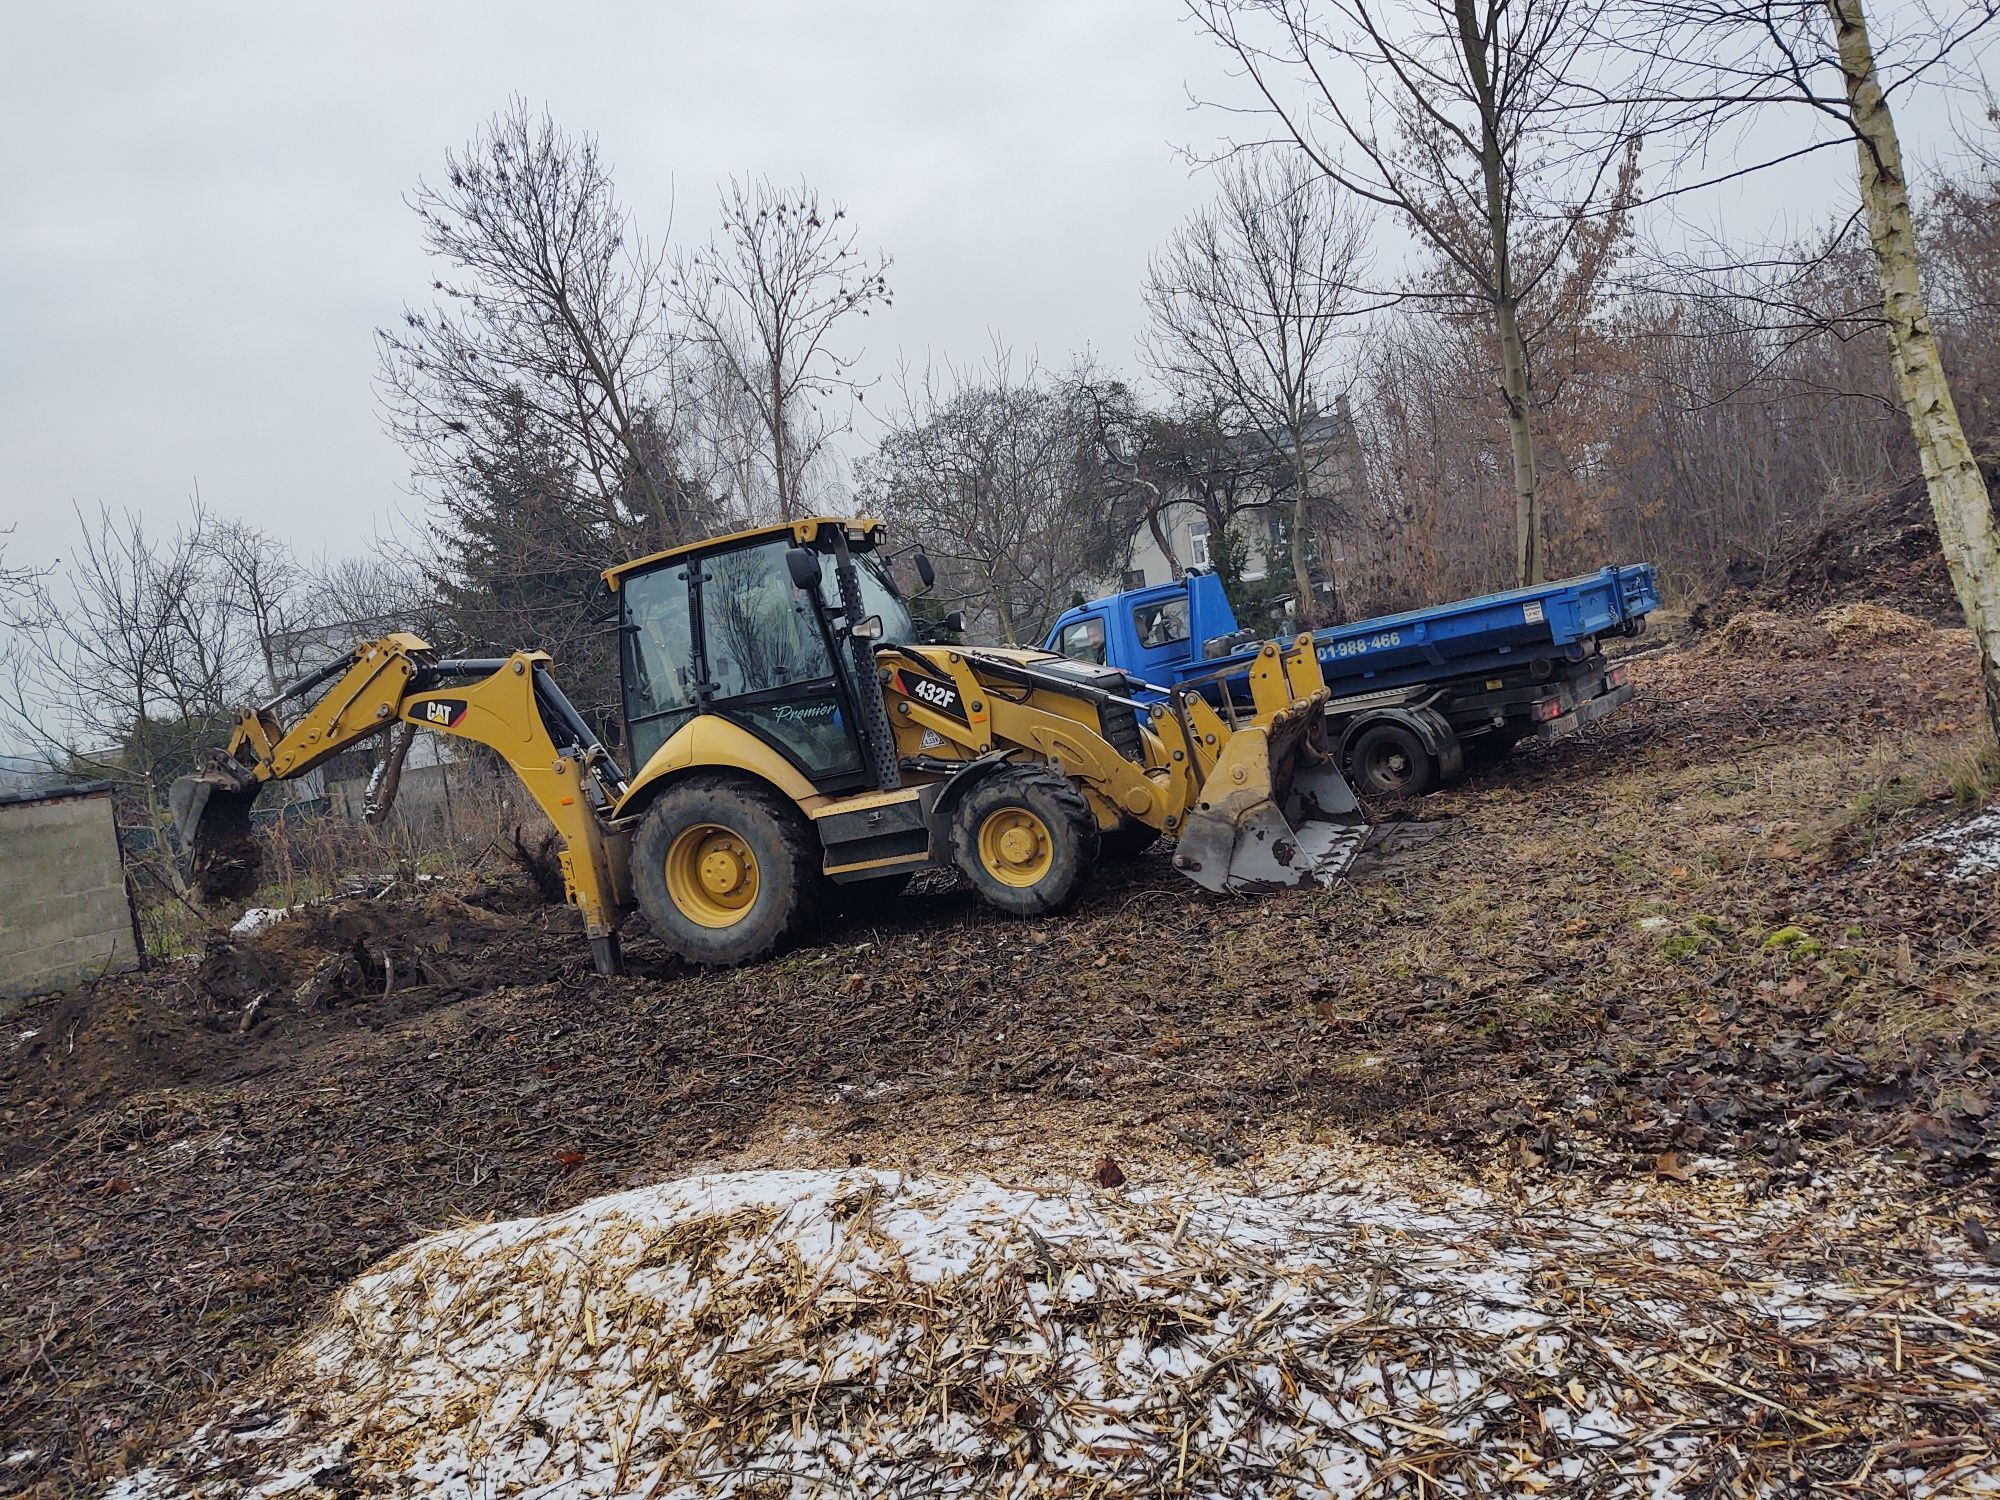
(510, 704)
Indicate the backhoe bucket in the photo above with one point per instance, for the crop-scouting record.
(212, 816)
(1275, 811)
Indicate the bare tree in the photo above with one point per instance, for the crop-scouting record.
(1192, 455)
(127, 658)
(995, 471)
(12, 580)
(767, 298)
(261, 579)
(1728, 59)
(550, 313)
(1460, 117)
(1249, 300)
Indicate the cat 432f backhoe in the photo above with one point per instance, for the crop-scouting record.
(788, 736)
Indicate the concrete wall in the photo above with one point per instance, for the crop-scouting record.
(64, 915)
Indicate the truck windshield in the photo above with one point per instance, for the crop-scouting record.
(878, 596)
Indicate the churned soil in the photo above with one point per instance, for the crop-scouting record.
(1721, 934)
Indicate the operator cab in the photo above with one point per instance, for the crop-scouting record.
(757, 628)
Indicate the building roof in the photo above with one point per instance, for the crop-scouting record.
(57, 793)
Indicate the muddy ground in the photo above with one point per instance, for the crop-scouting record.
(1694, 940)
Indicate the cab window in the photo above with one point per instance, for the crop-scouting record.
(657, 659)
(1083, 640)
(1162, 623)
(760, 631)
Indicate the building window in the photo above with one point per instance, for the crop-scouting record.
(1198, 544)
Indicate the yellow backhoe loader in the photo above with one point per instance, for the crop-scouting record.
(794, 746)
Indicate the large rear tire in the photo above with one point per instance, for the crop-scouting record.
(726, 872)
(1026, 840)
(1389, 760)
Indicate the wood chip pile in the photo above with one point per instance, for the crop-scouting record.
(860, 1332)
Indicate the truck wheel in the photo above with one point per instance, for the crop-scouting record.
(1126, 842)
(727, 873)
(1389, 760)
(1026, 840)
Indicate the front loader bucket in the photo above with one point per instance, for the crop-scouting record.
(212, 815)
(1274, 812)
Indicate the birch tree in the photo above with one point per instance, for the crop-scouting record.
(1460, 118)
(1732, 61)
(1249, 301)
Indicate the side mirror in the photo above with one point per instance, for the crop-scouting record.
(803, 564)
(922, 563)
(869, 629)
(955, 622)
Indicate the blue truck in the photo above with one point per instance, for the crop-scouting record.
(1417, 697)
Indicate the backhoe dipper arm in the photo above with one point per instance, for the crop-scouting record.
(510, 704)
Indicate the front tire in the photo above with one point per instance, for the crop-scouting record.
(1026, 840)
(727, 872)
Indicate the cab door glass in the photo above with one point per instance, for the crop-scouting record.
(657, 659)
(761, 632)
(1083, 640)
(769, 664)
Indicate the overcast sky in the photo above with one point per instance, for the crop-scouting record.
(203, 219)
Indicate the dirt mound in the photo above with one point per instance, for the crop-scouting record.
(251, 999)
(1885, 552)
(1764, 632)
(882, 1333)
(1882, 553)
(350, 950)
(1863, 624)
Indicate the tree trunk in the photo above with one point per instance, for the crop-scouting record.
(1528, 565)
(1301, 503)
(778, 457)
(1958, 493)
(1163, 539)
(1473, 41)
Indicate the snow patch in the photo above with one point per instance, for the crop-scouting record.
(1974, 840)
(257, 918)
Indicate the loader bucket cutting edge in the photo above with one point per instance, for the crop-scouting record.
(211, 811)
(1266, 820)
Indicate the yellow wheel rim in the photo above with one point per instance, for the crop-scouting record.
(711, 875)
(1015, 847)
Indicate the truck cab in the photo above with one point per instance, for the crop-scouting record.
(1157, 634)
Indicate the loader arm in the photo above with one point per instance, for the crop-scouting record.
(1250, 790)
(510, 704)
